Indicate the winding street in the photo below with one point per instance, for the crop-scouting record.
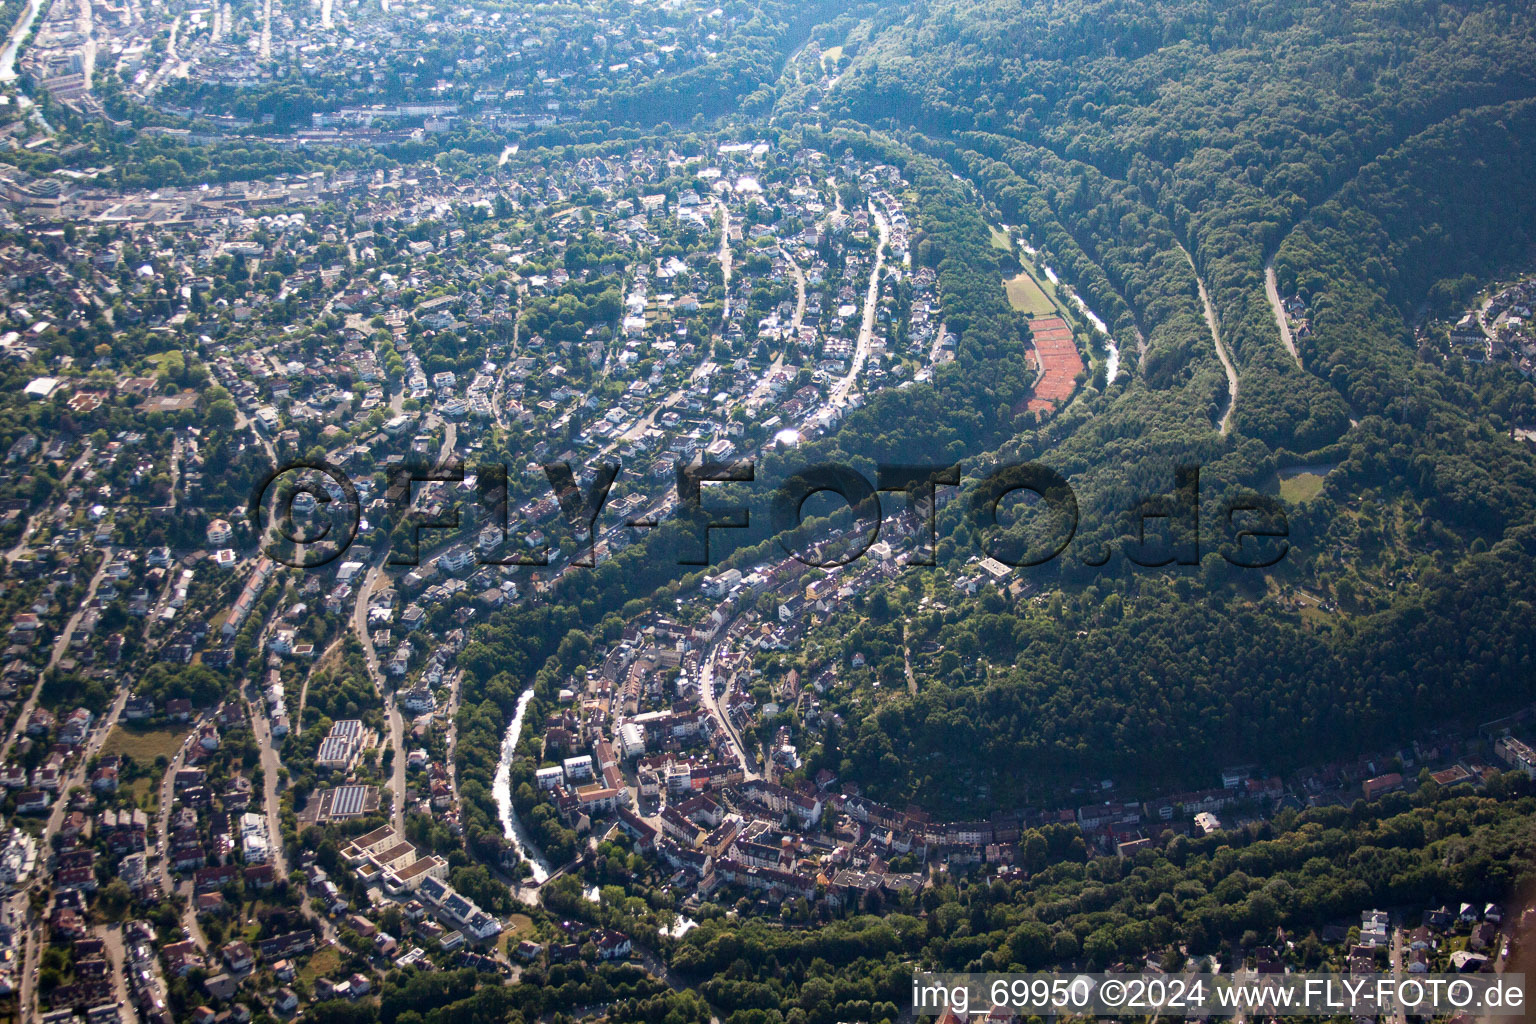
(359, 625)
(1221, 349)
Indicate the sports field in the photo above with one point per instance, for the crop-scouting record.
(1026, 296)
(1058, 356)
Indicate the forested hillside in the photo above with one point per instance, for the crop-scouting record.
(1172, 904)
(1360, 149)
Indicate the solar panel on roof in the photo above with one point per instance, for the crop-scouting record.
(348, 801)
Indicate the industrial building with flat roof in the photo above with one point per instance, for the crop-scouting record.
(340, 803)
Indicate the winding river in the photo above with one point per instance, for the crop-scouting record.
(501, 789)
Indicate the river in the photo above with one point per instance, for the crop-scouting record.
(502, 790)
(12, 45)
(1111, 350)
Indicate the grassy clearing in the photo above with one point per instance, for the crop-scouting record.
(1000, 239)
(322, 964)
(143, 745)
(146, 794)
(1301, 483)
(830, 57)
(1026, 296)
(1315, 616)
(520, 927)
(1301, 487)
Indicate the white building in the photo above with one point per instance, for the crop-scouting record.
(631, 740)
(578, 769)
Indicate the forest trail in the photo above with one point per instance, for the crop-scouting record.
(1272, 290)
(1221, 350)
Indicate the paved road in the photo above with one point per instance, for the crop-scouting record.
(75, 777)
(397, 762)
(86, 26)
(163, 817)
(241, 423)
(117, 956)
(725, 257)
(906, 662)
(1398, 1016)
(392, 714)
(712, 706)
(26, 533)
(169, 883)
(844, 386)
(1214, 324)
(59, 648)
(270, 767)
(175, 469)
(760, 392)
(1272, 290)
(514, 348)
(455, 685)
